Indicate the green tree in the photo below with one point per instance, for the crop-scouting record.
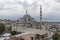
(13, 32)
(56, 36)
(2, 27)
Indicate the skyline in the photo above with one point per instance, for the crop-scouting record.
(12, 9)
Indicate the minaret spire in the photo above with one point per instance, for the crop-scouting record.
(26, 11)
(40, 17)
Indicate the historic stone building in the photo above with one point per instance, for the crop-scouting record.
(26, 21)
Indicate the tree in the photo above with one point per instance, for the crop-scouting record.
(15, 32)
(2, 27)
(56, 36)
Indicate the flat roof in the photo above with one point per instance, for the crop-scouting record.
(6, 34)
(37, 31)
(18, 35)
(2, 38)
(32, 31)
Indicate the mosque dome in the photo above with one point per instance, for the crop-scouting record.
(26, 16)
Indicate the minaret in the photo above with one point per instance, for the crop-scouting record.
(40, 17)
(26, 18)
(26, 11)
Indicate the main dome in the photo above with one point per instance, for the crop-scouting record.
(26, 16)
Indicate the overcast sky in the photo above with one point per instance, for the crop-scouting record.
(14, 9)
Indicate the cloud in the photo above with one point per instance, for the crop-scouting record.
(57, 1)
(16, 8)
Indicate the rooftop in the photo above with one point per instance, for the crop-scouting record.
(32, 31)
(37, 31)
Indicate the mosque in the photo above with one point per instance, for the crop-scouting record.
(28, 21)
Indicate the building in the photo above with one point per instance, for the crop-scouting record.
(26, 21)
(31, 34)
